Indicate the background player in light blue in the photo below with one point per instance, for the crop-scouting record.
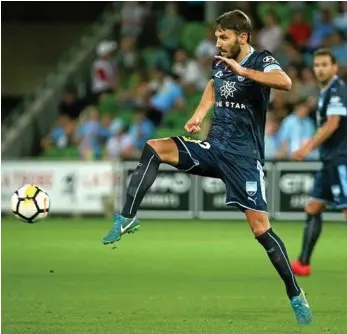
(239, 89)
(330, 187)
(297, 129)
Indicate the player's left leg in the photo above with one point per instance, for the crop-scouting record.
(311, 234)
(278, 256)
(244, 179)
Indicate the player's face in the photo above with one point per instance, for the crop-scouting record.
(324, 69)
(227, 43)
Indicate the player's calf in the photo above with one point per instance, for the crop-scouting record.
(277, 254)
(312, 231)
(275, 249)
(154, 153)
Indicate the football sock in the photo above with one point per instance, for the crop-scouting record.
(141, 180)
(312, 231)
(279, 258)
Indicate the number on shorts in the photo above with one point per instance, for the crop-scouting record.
(205, 145)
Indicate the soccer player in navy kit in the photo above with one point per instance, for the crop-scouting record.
(239, 89)
(330, 185)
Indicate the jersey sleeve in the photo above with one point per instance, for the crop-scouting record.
(213, 67)
(337, 104)
(266, 62)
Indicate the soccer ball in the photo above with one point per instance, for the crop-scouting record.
(30, 203)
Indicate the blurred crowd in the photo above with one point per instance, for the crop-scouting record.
(149, 79)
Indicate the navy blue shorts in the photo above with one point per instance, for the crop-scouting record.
(243, 176)
(330, 186)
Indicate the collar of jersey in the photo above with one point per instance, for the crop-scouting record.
(251, 50)
(323, 91)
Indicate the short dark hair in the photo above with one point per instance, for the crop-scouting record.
(235, 20)
(325, 52)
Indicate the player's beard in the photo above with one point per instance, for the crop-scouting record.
(325, 80)
(234, 51)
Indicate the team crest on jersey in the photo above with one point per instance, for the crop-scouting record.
(251, 188)
(240, 78)
(228, 89)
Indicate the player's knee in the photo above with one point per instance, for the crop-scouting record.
(156, 146)
(314, 207)
(259, 224)
(165, 148)
(345, 213)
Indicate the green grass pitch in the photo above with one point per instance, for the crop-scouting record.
(171, 277)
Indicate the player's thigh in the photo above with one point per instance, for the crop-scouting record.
(337, 176)
(245, 185)
(196, 157)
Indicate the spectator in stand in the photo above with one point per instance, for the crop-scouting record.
(271, 36)
(309, 86)
(207, 47)
(340, 19)
(118, 146)
(299, 30)
(139, 133)
(169, 27)
(295, 94)
(127, 58)
(339, 47)
(294, 55)
(132, 18)
(296, 129)
(187, 70)
(169, 94)
(103, 72)
(279, 106)
(271, 140)
(90, 135)
(61, 135)
(204, 67)
(70, 105)
(322, 29)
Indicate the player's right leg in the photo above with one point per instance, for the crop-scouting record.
(313, 225)
(154, 153)
(192, 156)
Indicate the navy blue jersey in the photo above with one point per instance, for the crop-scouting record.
(238, 121)
(333, 101)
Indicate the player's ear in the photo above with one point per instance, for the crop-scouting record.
(243, 37)
(336, 68)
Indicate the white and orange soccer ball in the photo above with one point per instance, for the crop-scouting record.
(30, 203)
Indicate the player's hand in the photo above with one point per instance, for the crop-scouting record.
(300, 154)
(232, 65)
(193, 125)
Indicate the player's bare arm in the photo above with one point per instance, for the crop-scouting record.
(323, 133)
(277, 79)
(193, 126)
